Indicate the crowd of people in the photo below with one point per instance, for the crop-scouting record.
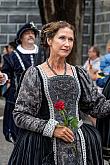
(98, 68)
(45, 98)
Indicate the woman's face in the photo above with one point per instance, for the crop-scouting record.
(92, 54)
(5, 50)
(62, 43)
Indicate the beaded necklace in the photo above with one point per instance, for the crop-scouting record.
(65, 68)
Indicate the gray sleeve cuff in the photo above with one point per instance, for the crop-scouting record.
(49, 128)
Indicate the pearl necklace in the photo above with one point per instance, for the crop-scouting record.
(65, 68)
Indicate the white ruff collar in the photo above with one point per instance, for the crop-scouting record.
(25, 51)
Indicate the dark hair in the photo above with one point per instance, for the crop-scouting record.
(13, 44)
(50, 29)
(6, 47)
(96, 49)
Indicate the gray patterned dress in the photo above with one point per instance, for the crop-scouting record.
(35, 115)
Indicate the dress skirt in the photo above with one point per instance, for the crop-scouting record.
(93, 145)
(103, 125)
(34, 149)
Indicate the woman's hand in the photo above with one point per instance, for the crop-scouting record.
(1, 77)
(63, 133)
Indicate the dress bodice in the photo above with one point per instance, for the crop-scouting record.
(64, 88)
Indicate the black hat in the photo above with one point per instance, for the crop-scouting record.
(27, 26)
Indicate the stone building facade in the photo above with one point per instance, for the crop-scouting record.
(96, 30)
(13, 14)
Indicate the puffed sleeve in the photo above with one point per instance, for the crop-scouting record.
(91, 101)
(28, 104)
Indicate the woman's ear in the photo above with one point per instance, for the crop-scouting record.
(49, 41)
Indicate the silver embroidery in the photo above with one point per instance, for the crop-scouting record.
(49, 128)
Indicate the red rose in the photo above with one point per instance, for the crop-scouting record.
(59, 105)
(70, 121)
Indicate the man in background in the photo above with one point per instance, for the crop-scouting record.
(92, 65)
(26, 54)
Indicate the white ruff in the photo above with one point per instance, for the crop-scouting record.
(25, 51)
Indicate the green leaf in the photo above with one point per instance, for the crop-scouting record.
(70, 118)
(73, 122)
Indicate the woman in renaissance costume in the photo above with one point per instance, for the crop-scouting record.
(48, 108)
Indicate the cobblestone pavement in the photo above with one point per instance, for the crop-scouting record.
(6, 147)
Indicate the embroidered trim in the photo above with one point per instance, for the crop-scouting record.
(49, 128)
(51, 108)
(79, 94)
(83, 144)
(32, 60)
(20, 60)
